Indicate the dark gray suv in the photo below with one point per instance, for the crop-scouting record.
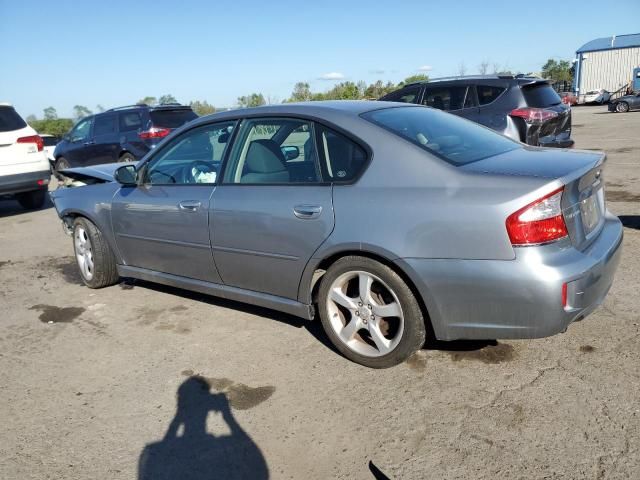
(526, 109)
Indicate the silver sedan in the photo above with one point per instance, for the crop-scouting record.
(391, 222)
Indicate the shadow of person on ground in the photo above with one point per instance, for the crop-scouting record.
(630, 221)
(189, 452)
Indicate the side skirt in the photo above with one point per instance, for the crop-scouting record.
(273, 302)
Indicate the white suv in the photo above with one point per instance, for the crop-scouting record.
(24, 167)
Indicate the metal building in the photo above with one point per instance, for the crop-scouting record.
(612, 63)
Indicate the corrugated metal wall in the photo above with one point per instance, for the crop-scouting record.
(608, 69)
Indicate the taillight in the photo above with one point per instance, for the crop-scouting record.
(539, 222)
(155, 132)
(37, 139)
(533, 115)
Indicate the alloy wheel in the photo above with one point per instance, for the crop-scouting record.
(365, 313)
(84, 252)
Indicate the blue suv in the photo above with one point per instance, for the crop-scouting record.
(123, 134)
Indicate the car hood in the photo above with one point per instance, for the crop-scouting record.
(549, 163)
(102, 172)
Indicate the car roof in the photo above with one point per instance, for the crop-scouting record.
(489, 79)
(312, 109)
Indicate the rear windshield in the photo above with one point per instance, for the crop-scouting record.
(451, 138)
(10, 120)
(540, 96)
(171, 118)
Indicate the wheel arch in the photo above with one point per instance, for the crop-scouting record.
(312, 278)
(69, 216)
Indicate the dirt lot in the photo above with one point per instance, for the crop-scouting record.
(89, 379)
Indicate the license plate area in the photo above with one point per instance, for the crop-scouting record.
(590, 212)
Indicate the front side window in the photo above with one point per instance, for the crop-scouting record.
(105, 124)
(487, 94)
(273, 151)
(82, 130)
(447, 136)
(342, 158)
(445, 98)
(192, 158)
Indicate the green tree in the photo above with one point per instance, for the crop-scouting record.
(31, 118)
(419, 77)
(99, 108)
(560, 71)
(168, 98)
(52, 126)
(202, 107)
(50, 113)
(147, 101)
(252, 100)
(80, 111)
(301, 92)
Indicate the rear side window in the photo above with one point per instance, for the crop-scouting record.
(342, 159)
(406, 95)
(487, 94)
(10, 120)
(540, 96)
(447, 136)
(171, 118)
(445, 98)
(104, 125)
(130, 121)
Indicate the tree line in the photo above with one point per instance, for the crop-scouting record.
(557, 70)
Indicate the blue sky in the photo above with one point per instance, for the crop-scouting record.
(63, 53)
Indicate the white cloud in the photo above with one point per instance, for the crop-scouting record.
(332, 76)
(425, 68)
(378, 71)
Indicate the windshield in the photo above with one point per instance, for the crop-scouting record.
(10, 120)
(171, 118)
(451, 138)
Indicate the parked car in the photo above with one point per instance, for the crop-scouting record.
(121, 134)
(597, 96)
(626, 103)
(568, 98)
(526, 109)
(393, 220)
(24, 168)
(50, 142)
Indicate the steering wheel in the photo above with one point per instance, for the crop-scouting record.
(201, 166)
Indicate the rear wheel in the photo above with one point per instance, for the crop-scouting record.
(369, 313)
(32, 200)
(622, 107)
(127, 157)
(94, 256)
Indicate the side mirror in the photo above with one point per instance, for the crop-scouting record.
(126, 175)
(290, 152)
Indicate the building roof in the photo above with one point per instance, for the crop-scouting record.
(611, 43)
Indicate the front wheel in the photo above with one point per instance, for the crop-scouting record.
(369, 313)
(94, 256)
(622, 107)
(61, 164)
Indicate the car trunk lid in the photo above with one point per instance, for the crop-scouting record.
(579, 171)
(555, 126)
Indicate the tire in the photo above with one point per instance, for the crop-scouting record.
(126, 157)
(61, 164)
(389, 326)
(32, 200)
(622, 107)
(95, 259)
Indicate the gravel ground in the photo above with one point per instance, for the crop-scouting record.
(89, 379)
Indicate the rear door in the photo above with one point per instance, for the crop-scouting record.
(268, 217)
(490, 114)
(163, 223)
(105, 148)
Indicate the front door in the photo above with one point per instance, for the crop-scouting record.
(163, 223)
(273, 210)
(80, 140)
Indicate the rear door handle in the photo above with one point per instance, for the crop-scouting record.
(189, 205)
(307, 211)
(91, 142)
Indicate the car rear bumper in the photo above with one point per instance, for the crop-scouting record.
(520, 298)
(24, 182)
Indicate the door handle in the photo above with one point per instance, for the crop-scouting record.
(189, 205)
(307, 212)
(91, 142)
